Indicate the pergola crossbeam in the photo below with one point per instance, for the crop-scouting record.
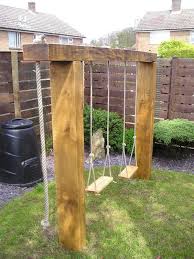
(58, 52)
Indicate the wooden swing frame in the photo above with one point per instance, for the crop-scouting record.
(67, 98)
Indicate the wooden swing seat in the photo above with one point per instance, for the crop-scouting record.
(128, 172)
(99, 184)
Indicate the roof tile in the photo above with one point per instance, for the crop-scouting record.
(167, 20)
(25, 20)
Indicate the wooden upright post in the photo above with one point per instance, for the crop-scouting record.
(67, 123)
(15, 81)
(146, 89)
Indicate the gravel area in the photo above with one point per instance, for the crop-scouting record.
(185, 164)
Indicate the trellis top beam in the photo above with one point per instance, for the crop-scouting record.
(58, 52)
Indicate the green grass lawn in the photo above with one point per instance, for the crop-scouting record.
(136, 219)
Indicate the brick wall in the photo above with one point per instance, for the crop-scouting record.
(180, 35)
(52, 39)
(3, 41)
(77, 41)
(26, 38)
(143, 40)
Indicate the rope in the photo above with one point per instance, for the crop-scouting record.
(45, 221)
(134, 142)
(107, 159)
(91, 155)
(123, 159)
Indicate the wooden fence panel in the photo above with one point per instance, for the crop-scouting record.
(6, 89)
(182, 89)
(28, 92)
(174, 95)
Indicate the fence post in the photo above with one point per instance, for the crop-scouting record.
(170, 114)
(15, 82)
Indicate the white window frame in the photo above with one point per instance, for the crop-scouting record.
(192, 37)
(65, 40)
(156, 37)
(14, 40)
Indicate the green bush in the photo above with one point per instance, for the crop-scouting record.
(129, 140)
(116, 128)
(49, 143)
(175, 48)
(177, 131)
(100, 122)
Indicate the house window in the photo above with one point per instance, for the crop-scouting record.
(65, 40)
(192, 37)
(156, 37)
(14, 40)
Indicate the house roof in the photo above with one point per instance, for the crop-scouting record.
(25, 20)
(167, 20)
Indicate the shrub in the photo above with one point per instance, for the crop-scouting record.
(116, 128)
(129, 140)
(49, 143)
(100, 121)
(177, 131)
(175, 48)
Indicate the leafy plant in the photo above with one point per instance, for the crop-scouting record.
(49, 143)
(177, 131)
(129, 140)
(100, 122)
(116, 128)
(175, 48)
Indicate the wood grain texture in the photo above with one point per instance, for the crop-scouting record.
(67, 123)
(15, 80)
(58, 52)
(128, 172)
(146, 89)
(100, 184)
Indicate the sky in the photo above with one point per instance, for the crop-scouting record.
(97, 18)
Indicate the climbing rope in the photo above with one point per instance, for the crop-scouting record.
(107, 159)
(91, 155)
(45, 221)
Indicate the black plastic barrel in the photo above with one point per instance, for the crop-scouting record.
(19, 153)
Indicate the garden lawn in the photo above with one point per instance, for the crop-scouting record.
(136, 219)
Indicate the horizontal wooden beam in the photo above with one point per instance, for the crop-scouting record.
(58, 52)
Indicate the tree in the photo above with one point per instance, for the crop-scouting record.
(120, 39)
(175, 48)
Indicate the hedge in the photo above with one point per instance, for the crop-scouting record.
(176, 131)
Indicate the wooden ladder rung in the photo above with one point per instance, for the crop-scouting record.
(99, 184)
(128, 172)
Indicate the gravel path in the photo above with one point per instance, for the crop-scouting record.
(8, 192)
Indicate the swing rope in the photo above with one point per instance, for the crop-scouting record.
(91, 155)
(45, 221)
(99, 184)
(107, 159)
(123, 159)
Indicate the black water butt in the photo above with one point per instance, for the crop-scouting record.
(19, 153)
